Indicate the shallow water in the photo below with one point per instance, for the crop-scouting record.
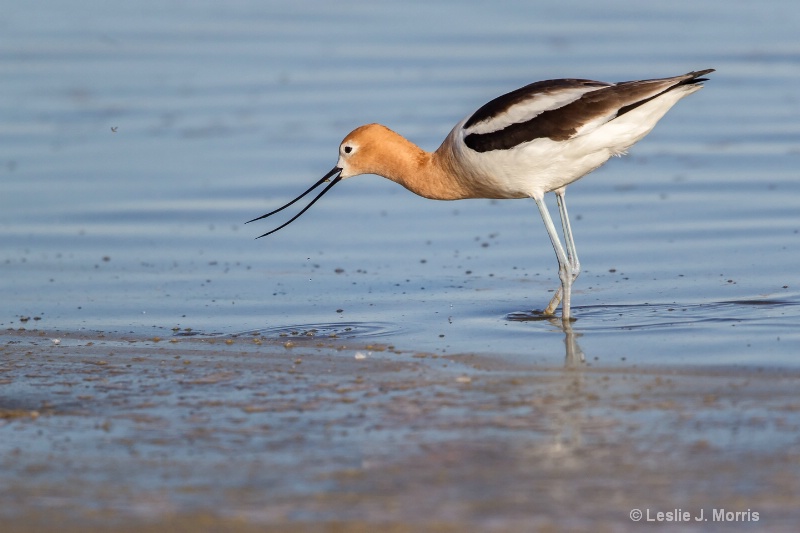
(136, 139)
(135, 144)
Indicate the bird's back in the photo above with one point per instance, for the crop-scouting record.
(546, 135)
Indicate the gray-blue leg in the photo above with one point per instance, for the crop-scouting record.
(565, 268)
(569, 242)
(572, 253)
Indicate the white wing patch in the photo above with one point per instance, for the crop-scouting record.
(530, 108)
(595, 123)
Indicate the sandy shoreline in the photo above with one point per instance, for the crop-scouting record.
(111, 432)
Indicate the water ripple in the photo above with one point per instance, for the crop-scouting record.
(340, 330)
(667, 315)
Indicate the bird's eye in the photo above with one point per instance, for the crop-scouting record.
(348, 149)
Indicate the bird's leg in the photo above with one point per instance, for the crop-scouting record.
(564, 266)
(571, 251)
(569, 242)
(554, 301)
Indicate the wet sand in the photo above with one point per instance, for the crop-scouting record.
(106, 432)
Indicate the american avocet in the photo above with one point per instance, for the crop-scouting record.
(526, 143)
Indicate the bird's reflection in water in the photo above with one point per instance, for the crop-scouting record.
(574, 356)
(566, 420)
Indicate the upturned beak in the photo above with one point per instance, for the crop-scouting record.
(335, 173)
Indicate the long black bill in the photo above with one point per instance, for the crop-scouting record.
(334, 181)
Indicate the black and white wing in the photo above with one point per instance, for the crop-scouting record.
(561, 109)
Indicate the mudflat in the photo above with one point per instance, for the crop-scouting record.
(103, 432)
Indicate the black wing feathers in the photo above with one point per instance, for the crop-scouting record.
(564, 122)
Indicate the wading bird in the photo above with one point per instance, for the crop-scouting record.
(537, 139)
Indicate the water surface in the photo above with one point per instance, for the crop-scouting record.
(136, 142)
(136, 139)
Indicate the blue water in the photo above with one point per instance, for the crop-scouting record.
(135, 140)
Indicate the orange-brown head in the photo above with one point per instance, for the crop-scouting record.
(375, 149)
